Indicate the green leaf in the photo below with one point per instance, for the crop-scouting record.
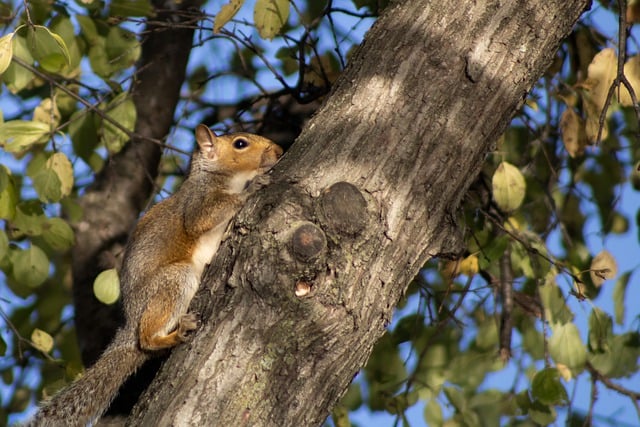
(600, 330)
(60, 164)
(122, 48)
(130, 8)
(18, 135)
(547, 388)
(84, 134)
(352, 399)
(106, 287)
(270, 16)
(123, 111)
(48, 185)
(226, 14)
(58, 234)
(566, 347)
(63, 26)
(4, 245)
(30, 266)
(555, 307)
(48, 48)
(433, 413)
(621, 359)
(619, 292)
(88, 29)
(456, 398)
(541, 413)
(6, 51)
(508, 187)
(8, 194)
(29, 218)
(17, 77)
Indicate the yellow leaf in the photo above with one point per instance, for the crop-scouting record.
(6, 51)
(508, 187)
(601, 73)
(632, 73)
(106, 287)
(592, 123)
(227, 12)
(573, 132)
(47, 112)
(61, 165)
(469, 265)
(41, 340)
(270, 16)
(603, 267)
(564, 371)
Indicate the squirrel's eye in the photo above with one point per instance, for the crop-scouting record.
(240, 143)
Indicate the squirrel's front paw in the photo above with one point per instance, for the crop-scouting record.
(186, 324)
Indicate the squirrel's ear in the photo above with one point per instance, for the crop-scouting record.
(206, 140)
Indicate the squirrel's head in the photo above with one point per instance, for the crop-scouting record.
(236, 152)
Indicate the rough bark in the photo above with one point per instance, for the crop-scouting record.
(365, 197)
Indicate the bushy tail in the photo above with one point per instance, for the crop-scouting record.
(87, 398)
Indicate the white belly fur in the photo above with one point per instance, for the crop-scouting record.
(206, 247)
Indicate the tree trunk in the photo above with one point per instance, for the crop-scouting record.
(307, 282)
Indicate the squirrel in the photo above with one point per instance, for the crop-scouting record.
(163, 261)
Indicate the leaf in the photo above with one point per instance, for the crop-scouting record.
(508, 187)
(632, 73)
(600, 330)
(433, 413)
(574, 137)
(83, 133)
(542, 414)
(18, 135)
(48, 48)
(15, 76)
(30, 266)
(601, 73)
(621, 359)
(4, 245)
(619, 291)
(60, 164)
(47, 112)
(226, 14)
(6, 51)
(555, 307)
(8, 194)
(41, 340)
(55, 180)
(106, 287)
(270, 16)
(48, 186)
(122, 48)
(603, 267)
(58, 234)
(566, 347)
(456, 398)
(29, 218)
(123, 111)
(547, 388)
